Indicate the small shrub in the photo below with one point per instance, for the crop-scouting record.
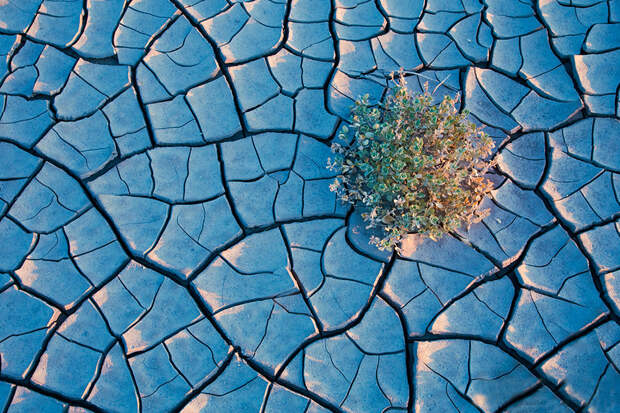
(413, 166)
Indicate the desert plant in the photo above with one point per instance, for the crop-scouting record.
(412, 165)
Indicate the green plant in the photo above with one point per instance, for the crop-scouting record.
(413, 166)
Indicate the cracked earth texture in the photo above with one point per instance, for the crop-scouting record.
(168, 240)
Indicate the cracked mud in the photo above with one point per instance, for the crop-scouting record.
(168, 240)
